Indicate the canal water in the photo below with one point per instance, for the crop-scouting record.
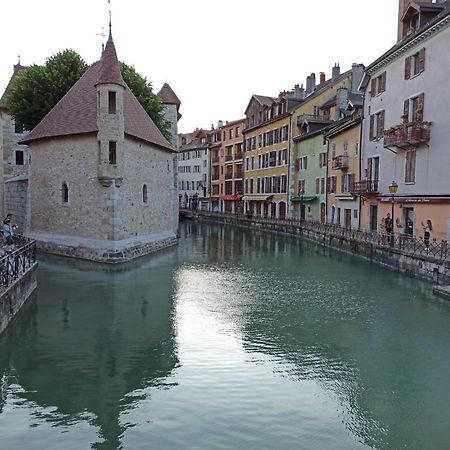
(234, 339)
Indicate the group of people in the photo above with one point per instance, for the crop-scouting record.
(8, 230)
(387, 225)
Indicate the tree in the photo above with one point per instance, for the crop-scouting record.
(143, 91)
(37, 89)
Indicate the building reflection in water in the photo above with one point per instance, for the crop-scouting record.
(112, 334)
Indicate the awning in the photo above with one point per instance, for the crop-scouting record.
(232, 198)
(304, 198)
(256, 198)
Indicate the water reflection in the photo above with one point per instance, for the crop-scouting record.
(234, 339)
(93, 336)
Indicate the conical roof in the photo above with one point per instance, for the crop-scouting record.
(168, 96)
(76, 112)
(110, 66)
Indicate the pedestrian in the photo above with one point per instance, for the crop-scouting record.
(8, 229)
(383, 230)
(427, 233)
(389, 226)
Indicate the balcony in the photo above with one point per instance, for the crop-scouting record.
(365, 188)
(238, 174)
(340, 162)
(228, 158)
(228, 175)
(215, 160)
(407, 135)
(238, 156)
(215, 177)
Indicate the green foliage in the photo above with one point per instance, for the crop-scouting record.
(143, 91)
(37, 89)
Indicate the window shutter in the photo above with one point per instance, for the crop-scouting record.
(422, 60)
(369, 168)
(372, 120)
(408, 68)
(317, 185)
(373, 87)
(328, 184)
(420, 104)
(305, 162)
(406, 111)
(383, 81)
(342, 184)
(413, 166)
(380, 124)
(297, 164)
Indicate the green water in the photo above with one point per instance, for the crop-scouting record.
(232, 340)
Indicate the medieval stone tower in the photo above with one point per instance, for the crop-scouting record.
(102, 177)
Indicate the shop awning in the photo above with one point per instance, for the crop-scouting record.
(256, 198)
(304, 198)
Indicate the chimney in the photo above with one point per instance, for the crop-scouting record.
(299, 92)
(341, 101)
(335, 71)
(220, 124)
(357, 75)
(322, 78)
(310, 83)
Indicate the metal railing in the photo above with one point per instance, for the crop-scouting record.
(406, 135)
(17, 260)
(408, 244)
(364, 187)
(340, 162)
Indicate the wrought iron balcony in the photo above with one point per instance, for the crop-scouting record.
(228, 158)
(340, 162)
(365, 187)
(215, 177)
(407, 135)
(228, 175)
(238, 156)
(215, 160)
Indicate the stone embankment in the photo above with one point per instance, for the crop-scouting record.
(401, 253)
(17, 278)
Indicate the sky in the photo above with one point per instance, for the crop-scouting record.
(214, 54)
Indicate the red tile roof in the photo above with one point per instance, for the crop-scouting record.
(76, 112)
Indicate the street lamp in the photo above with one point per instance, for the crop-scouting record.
(393, 190)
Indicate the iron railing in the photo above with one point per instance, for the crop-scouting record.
(408, 244)
(407, 135)
(17, 260)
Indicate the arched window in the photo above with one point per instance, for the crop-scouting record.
(65, 193)
(144, 194)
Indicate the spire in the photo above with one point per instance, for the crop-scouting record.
(110, 32)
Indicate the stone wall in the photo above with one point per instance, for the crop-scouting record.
(13, 297)
(106, 219)
(424, 267)
(16, 200)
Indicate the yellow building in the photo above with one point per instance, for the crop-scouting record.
(343, 141)
(266, 157)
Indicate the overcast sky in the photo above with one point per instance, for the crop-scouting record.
(214, 54)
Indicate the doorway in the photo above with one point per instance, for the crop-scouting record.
(348, 218)
(409, 219)
(303, 214)
(322, 213)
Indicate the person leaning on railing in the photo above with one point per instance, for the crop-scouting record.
(8, 230)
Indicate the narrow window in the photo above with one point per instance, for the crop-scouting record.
(19, 157)
(112, 152)
(18, 127)
(144, 194)
(65, 193)
(111, 102)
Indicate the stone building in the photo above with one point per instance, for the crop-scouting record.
(14, 176)
(101, 181)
